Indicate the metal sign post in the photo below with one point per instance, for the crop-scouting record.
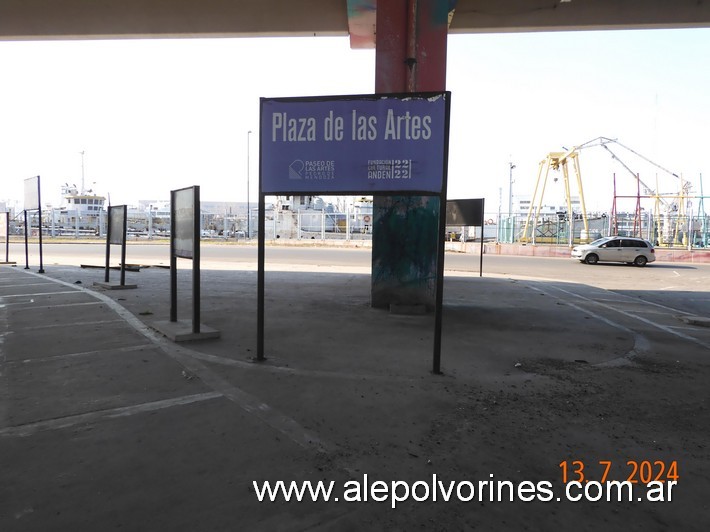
(116, 234)
(6, 226)
(185, 243)
(33, 202)
(5, 234)
(27, 250)
(366, 144)
(260, 277)
(467, 212)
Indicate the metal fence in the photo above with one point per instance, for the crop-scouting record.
(666, 230)
(307, 224)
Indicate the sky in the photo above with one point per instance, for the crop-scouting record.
(156, 115)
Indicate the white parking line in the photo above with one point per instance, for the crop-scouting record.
(70, 324)
(185, 357)
(641, 343)
(44, 306)
(127, 349)
(37, 294)
(13, 284)
(628, 314)
(91, 417)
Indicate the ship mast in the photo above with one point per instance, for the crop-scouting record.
(82, 172)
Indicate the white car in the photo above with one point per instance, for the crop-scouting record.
(626, 249)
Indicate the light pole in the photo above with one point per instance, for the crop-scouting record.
(248, 204)
(510, 190)
(500, 218)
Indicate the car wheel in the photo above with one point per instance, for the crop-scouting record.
(592, 258)
(640, 260)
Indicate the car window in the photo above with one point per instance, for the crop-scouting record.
(611, 244)
(626, 243)
(599, 241)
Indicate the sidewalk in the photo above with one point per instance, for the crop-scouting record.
(105, 424)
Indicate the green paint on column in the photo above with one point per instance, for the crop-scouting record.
(405, 240)
(405, 229)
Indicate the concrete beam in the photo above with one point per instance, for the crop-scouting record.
(84, 19)
(493, 16)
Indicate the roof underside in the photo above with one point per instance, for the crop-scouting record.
(82, 19)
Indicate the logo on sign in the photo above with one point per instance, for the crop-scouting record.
(295, 170)
(316, 170)
(389, 169)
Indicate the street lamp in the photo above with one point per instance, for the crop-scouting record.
(248, 204)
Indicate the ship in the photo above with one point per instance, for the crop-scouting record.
(81, 211)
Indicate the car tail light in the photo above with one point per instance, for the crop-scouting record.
(653, 250)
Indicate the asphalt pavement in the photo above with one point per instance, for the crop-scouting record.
(106, 424)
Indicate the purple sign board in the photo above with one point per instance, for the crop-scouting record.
(355, 144)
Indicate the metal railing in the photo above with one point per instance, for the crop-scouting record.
(666, 230)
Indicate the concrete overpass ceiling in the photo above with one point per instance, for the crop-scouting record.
(479, 16)
(77, 19)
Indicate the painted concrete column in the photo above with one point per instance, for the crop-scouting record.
(410, 48)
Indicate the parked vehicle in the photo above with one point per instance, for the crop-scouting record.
(630, 250)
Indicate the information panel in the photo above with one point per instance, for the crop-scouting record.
(358, 144)
(184, 216)
(32, 193)
(5, 234)
(4, 226)
(467, 212)
(117, 223)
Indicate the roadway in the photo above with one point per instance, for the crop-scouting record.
(680, 286)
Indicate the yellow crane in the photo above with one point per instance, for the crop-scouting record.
(557, 161)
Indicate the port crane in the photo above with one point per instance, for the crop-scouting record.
(560, 160)
(556, 161)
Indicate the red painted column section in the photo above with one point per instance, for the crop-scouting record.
(410, 47)
(394, 40)
(432, 30)
(391, 46)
